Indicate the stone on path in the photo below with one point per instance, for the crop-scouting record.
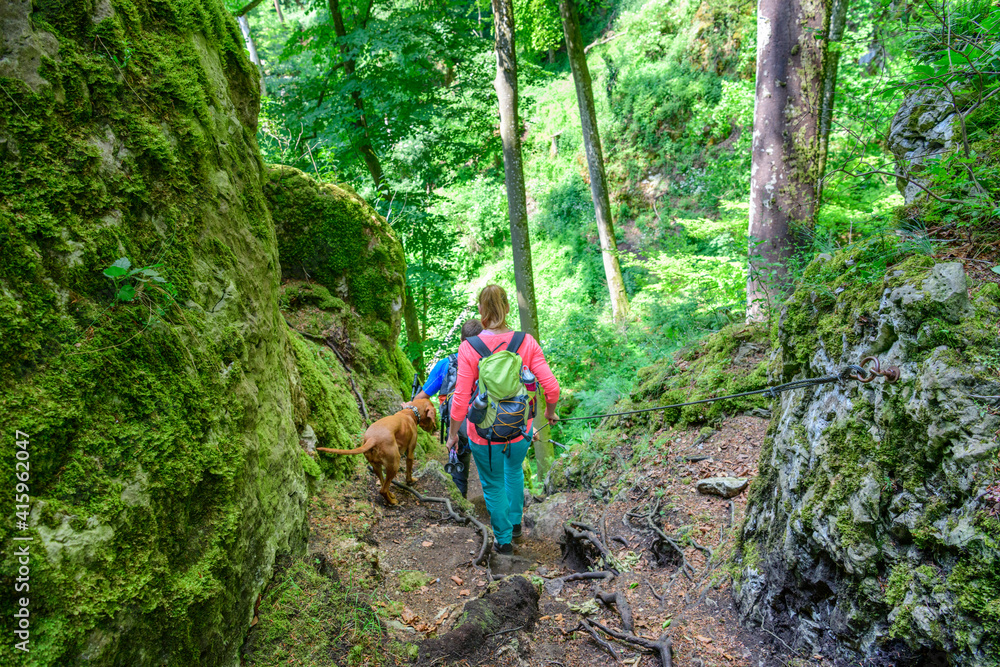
(727, 487)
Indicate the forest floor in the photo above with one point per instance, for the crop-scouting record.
(418, 563)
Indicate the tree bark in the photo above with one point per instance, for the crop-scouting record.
(416, 343)
(784, 172)
(252, 48)
(364, 147)
(595, 159)
(517, 207)
(835, 34)
(277, 8)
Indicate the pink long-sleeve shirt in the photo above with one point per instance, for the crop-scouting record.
(468, 373)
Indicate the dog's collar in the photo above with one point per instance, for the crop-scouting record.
(416, 413)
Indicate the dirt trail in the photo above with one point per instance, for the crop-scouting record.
(426, 559)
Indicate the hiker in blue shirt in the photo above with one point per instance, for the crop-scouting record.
(442, 381)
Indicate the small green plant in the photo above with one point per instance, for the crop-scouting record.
(122, 62)
(132, 285)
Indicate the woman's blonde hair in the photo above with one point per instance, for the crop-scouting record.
(493, 307)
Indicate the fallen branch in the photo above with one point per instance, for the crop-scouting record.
(613, 36)
(463, 519)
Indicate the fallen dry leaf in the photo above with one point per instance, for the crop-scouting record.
(458, 580)
(464, 591)
(703, 639)
(427, 543)
(408, 616)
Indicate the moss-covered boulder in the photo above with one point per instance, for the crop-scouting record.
(165, 471)
(330, 235)
(872, 532)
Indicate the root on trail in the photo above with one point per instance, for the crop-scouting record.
(463, 519)
(662, 538)
(577, 532)
(661, 646)
(619, 601)
(603, 643)
(509, 605)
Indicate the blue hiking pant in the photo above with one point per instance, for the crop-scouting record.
(503, 484)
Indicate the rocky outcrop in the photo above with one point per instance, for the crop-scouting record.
(164, 408)
(870, 532)
(925, 127)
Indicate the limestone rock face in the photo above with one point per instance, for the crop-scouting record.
(925, 125)
(868, 532)
(165, 462)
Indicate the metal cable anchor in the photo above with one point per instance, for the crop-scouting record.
(891, 373)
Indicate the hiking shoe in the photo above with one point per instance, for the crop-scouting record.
(516, 531)
(505, 549)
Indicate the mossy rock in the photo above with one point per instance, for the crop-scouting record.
(166, 470)
(331, 235)
(870, 490)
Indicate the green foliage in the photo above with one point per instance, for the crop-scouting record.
(143, 283)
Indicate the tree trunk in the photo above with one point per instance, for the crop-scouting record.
(835, 34)
(785, 165)
(595, 159)
(517, 207)
(365, 148)
(416, 343)
(277, 8)
(252, 48)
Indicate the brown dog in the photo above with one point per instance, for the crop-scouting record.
(389, 438)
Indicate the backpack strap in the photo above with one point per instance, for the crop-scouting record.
(479, 346)
(515, 342)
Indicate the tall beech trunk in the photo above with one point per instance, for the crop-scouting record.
(517, 207)
(595, 158)
(787, 141)
(364, 146)
(835, 34)
(244, 24)
(416, 343)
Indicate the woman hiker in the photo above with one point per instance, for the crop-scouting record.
(499, 463)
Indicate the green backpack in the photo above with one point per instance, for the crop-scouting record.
(509, 403)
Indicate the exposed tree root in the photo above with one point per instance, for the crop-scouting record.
(661, 646)
(580, 531)
(579, 576)
(663, 538)
(624, 610)
(603, 643)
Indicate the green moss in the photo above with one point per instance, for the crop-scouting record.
(310, 466)
(703, 372)
(411, 580)
(332, 409)
(336, 238)
(151, 444)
